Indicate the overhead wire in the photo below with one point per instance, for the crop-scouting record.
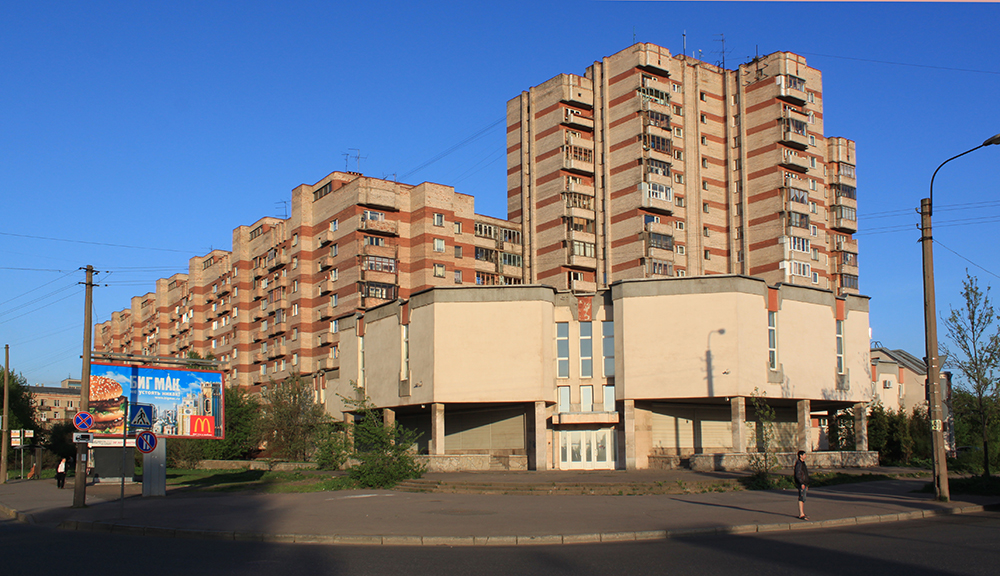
(455, 147)
(37, 287)
(94, 243)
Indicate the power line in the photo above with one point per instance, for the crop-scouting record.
(902, 63)
(966, 259)
(93, 243)
(37, 287)
(455, 147)
(39, 308)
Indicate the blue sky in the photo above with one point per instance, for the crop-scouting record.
(143, 133)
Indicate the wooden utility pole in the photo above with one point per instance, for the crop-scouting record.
(6, 403)
(80, 480)
(931, 346)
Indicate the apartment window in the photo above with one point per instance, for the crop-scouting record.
(586, 398)
(661, 241)
(705, 231)
(704, 162)
(847, 213)
(295, 239)
(295, 309)
(679, 201)
(656, 142)
(679, 178)
(458, 276)
(678, 131)
(704, 184)
(608, 350)
(583, 248)
(736, 141)
(438, 219)
(458, 251)
(708, 254)
(372, 215)
(334, 225)
(678, 110)
(334, 275)
(772, 340)
(812, 161)
(815, 277)
(679, 154)
(657, 119)
(374, 241)
(659, 267)
(586, 350)
(840, 346)
(801, 269)
(334, 250)
(334, 327)
(681, 251)
(563, 399)
(295, 359)
(812, 184)
(577, 224)
(813, 230)
(812, 207)
(799, 244)
(675, 87)
(657, 191)
(609, 398)
(812, 140)
(657, 167)
(704, 141)
(679, 224)
(439, 270)
(439, 244)
(458, 227)
(849, 281)
(295, 263)
(704, 119)
(405, 341)
(562, 350)
(798, 195)
(681, 273)
(798, 220)
(650, 219)
(736, 164)
(333, 300)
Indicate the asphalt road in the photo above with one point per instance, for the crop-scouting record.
(956, 545)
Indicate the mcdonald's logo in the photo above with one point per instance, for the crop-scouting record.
(202, 425)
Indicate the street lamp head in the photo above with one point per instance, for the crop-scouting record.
(994, 140)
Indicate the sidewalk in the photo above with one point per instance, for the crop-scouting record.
(402, 518)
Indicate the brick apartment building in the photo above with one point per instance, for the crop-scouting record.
(647, 169)
(652, 165)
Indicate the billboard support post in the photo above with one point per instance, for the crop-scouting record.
(154, 470)
(124, 454)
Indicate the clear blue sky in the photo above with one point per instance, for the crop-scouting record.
(162, 126)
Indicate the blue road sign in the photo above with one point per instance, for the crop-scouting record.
(145, 441)
(141, 416)
(83, 421)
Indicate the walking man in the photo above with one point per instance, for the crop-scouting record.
(61, 474)
(801, 477)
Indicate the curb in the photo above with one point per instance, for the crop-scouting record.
(589, 538)
(16, 515)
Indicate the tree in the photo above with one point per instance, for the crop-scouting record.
(292, 418)
(384, 452)
(21, 410)
(764, 460)
(976, 354)
(243, 428)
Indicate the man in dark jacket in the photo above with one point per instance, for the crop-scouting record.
(801, 477)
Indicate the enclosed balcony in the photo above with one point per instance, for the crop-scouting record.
(656, 198)
(792, 89)
(576, 119)
(792, 160)
(371, 225)
(794, 128)
(844, 219)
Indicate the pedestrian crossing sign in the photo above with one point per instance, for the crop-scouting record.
(142, 416)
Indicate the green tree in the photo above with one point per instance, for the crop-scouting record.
(975, 352)
(60, 440)
(291, 418)
(840, 431)
(243, 428)
(384, 452)
(21, 410)
(878, 430)
(764, 460)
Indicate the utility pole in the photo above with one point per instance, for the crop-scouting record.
(931, 345)
(80, 481)
(6, 403)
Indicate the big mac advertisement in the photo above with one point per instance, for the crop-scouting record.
(186, 403)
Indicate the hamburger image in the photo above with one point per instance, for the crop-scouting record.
(106, 405)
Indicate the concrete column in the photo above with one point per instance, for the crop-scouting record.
(388, 416)
(541, 437)
(738, 417)
(437, 429)
(804, 434)
(349, 427)
(630, 463)
(861, 427)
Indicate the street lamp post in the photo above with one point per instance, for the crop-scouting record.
(930, 334)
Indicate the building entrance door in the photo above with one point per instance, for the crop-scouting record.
(587, 449)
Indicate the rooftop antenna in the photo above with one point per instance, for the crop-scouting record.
(633, 35)
(347, 157)
(722, 38)
(358, 157)
(684, 42)
(284, 204)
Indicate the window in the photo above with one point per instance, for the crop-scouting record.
(840, 346)
(583, 248)
(577, 224)
(659, 267)
(563, 399)
(675, 87)
(656, 191)
(679, 201)
(661, 241)
(562, 350)
(334, 225)
(708, 254)
(586, 398)
(439, 270)
(705, 231)
(609, 398)
(650, 219)
(679, 224)
(702, 96)
(680, 250)
(608, 351)
(295, 239)
(458, 251)
(704, 141)
(847, 213)
(801, 269)
(374, 241)
(678, 131)
(678, 110)
(704, 162)
(849, 281)
(815, 254)
(295, 359)
(438, 219)
(405, 337)
(295, 309)
(373, 216)
(458, 276)
(295, 263)
(799, 244)
(333, 300)
(587, 352)
(815, 277)
(458, 227)
(798, 220)
(812, 161)
(654, 142)
(798, 195)
(334, 250)
(704, 184)
(654, 118)
(657, 167)
(334, 275)
(772, 340)
(439, 244)
(679, 178)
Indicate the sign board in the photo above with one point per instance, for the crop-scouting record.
(82, 437)
(145, 442)
(111, 442)
(83, 421)
(141, 416)
(15, 441)
(183, 403)
(29, 434)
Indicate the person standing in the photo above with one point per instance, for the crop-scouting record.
(801, 477)
(61, 474)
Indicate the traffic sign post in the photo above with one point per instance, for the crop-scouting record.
(83, 421)
(145, 442)
(82, 438)
(141, 416)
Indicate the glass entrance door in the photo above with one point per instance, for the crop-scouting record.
(587, 449)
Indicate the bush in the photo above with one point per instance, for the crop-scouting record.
(185, 452)
(384, 452)
(292, 418)
(333, 447)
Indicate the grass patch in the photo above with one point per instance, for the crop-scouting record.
(972, 485)
(256, 480)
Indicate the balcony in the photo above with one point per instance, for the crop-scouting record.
(794, 129)
(582, 285)
(579, 235)
(378, 276)
(656, 200)
(844, 198)
(845, 263)
(276, 329)
(328, 363)
(325, 237)
(258, 335)
(379, 198)
(259, 292)
(841, 221)
(324, 339)
(793, 89)
(389, 227)
(325, 287)
(575, 119)
(388, 251)
(794, 161)
(326, 262)
(256, 314)
(326, 311)
(578, 261)
(578, 166)
(277, 351)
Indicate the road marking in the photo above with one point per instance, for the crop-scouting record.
(359, 496)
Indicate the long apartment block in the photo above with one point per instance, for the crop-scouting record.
(654, 165)
(271, 306)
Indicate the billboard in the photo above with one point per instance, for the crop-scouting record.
(186, 403)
